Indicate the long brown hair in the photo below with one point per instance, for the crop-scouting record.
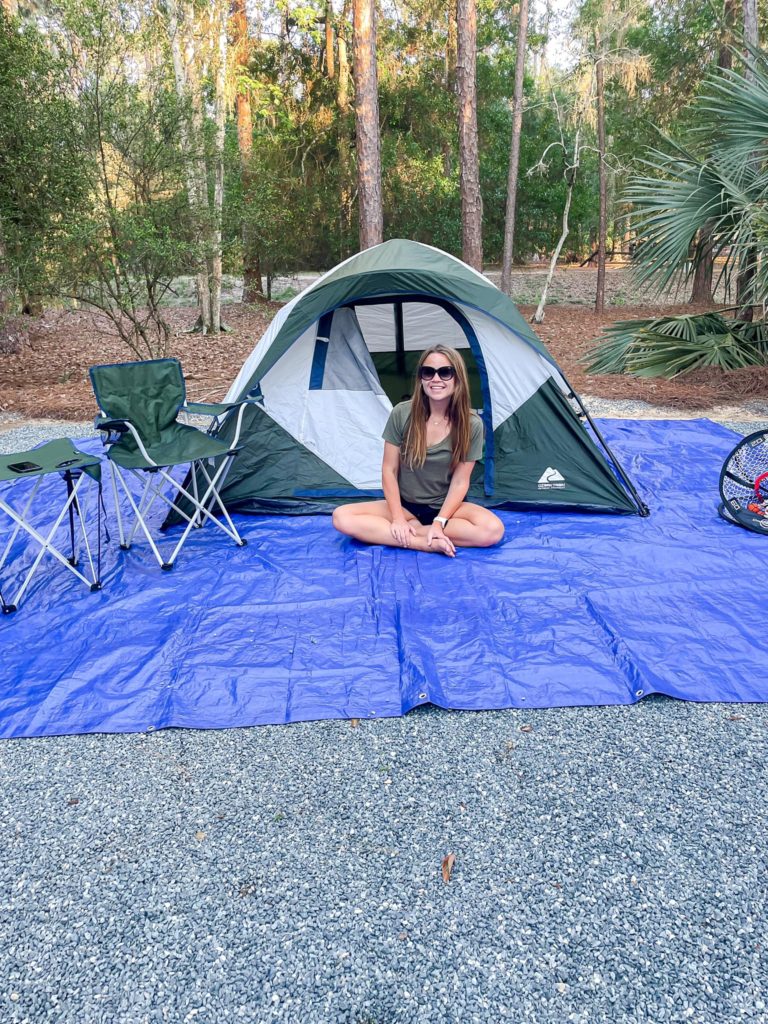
(459, 413)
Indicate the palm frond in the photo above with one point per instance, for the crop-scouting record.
(716, 178)
(738, 111)
(673, 345)
(672, 209)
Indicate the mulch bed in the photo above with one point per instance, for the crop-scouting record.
(47, 374)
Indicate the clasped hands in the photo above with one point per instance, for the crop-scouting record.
(403, 530)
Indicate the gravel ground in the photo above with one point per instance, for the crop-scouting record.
(18, 433)
(610, 866)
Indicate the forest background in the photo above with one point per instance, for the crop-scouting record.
(148, 142)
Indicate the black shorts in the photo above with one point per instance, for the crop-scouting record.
(424, 513)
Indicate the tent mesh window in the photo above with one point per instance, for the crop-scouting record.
(397, 332)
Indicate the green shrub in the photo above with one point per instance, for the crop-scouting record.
(668, 346)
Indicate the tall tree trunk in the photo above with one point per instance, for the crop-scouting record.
(540, 52)
(252, 286)
(749, 8)
(342, 88)
(449, 79)
(192, 53)
(329, 61)
(469, 160)
(701, 291)
(745, 279)
(725, 54)
(6, 293)
(570, 177)
(220, 120)
(367, 125)
(603, 218)
(345, 154)
(186, 81)
(514, 150)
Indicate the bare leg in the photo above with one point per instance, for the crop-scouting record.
(368, 521)
(472, 526)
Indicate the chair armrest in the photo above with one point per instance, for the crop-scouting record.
(219, 411)
(215, 409)
(114, 430)
(113, 426)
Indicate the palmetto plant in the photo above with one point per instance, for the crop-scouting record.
(714, 181)
(716, 178)
(671, 345)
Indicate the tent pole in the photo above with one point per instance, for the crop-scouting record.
(642, 508)
(399, 339)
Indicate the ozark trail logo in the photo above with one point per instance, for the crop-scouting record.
(551, 479)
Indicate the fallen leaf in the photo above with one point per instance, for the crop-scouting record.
(199, 836)
(403, 936)
(448, 861)
(74, 800)
(735, 718)
(526, 728)
(354, 722)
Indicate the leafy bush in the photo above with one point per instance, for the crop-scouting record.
(668, 346)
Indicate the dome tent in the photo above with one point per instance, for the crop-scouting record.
(336, 357)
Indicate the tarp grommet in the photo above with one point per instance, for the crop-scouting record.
(639, 693)
(422, 696)
(372, 714)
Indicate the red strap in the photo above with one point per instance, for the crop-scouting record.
(758, 481)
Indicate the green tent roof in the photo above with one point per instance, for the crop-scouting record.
(397, 267)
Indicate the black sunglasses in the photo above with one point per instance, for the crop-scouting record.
(443, 372)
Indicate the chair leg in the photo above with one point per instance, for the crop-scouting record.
(118, 513)
(216, 497)
(200, 512)
(204, 511)
(144, 508)
(139, 518)
(199, 507)
(197, 517)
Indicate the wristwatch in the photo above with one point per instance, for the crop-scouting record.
(442, 520)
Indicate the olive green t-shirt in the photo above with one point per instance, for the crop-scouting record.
(428, 484)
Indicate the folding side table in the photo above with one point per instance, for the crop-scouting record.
(74, 467)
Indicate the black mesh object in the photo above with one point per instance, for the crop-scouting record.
(744, 484)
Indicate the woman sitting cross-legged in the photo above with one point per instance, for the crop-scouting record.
(431, 445)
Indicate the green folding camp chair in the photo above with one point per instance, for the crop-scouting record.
(73, 466)
(140, 404)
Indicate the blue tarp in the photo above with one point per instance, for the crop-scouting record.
(303, 624)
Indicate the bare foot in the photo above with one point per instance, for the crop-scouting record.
(443, 546)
